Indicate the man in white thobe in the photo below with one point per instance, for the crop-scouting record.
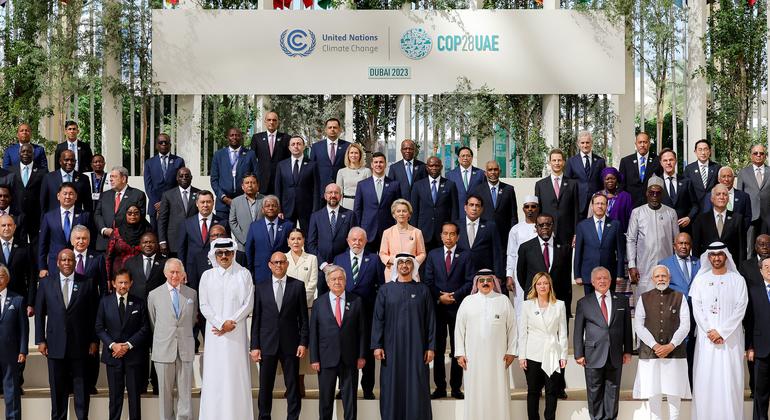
(226, 300)
(651, 231)
(520, 233)
(485, 345)
(662, 322)
(719, 300)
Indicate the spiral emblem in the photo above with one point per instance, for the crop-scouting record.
(416, 43)
(297, 42)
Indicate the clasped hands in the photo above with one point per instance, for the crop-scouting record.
(227, 326)
(715, 338)
(508, 358)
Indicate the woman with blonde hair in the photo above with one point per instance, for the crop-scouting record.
(353, 173)
(401, 238)
(542, 345)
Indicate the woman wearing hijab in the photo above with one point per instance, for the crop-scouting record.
(124, 241)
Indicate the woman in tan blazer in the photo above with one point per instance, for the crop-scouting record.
(542, 345)
(401, 237)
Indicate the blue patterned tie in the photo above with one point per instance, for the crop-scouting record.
(175, 301)
(434, 192)
(271, 234)
(333, 222)
(642, 167)
(494, 197)
(768, 290)
(599, 229)
(67, 225)
(409, 172)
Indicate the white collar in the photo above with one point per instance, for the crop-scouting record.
(469, 221)
(10, 242)
(333, 297)
(118, 296)
(378, 178)
(62, 277)
(717, 213)
(437, 179)
(171, 288)
(62, 210)
(353, 254)
(181, 190)
(640, 156)
(63, 173)
(599, 295)
(330, 209)
(491, 185)
(275, 279)
(451, 250)
(602, 219)
(123, 191)
(234, 150)
(330, 141)
(84, 254)
(549, 242)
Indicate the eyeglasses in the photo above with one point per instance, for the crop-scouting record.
(544, 225)
(164, 142)
(486, 280)
(223, 253)
(279, 262)
(530, 206)
(758, 153)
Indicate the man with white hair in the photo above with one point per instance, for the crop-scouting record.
(226, 300)
(719, 301)
(521, 232)
(662, 321)
(404, 340)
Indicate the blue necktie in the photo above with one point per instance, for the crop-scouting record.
(6, 253)
(768, 291)
(409, 172)
(599, 229)
(175, 301)
(333, 222)
(271, 233)
(642, 167)
(25, 175)
(67, 225)
(494, 197)
(434, 192)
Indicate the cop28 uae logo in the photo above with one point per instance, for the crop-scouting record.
(416, 43)
(297, 42)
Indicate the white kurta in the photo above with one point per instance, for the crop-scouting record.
(649, 239)
(519, 233)
(719, 303)
(662, 376)
(226, 388)
(485, 331)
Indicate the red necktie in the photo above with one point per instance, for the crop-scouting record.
(117, 202)
(604, 310)
(546, 257)
(448, 261)
(204, 230)
(338, 313)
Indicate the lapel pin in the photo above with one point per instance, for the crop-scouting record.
(413, 296)
(11, 307)
(457, 255)
(482, 226)
(366, 259)
(342, 216)
(189, 301)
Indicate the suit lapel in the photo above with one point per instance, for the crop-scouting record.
(6, 305)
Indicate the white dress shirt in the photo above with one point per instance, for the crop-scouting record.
(70, 216)
(333, 301)
(607, 301)
(71, 279)
(550, 250)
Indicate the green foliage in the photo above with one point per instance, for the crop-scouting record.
(305, 114)
(373, 115)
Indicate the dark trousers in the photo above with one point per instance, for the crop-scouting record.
(762, 384)
(603, 390)
(128, 378)
(327, 379)
(445, 319)
(367, 373)
(536, 380)
(9, 372)
(92, 370)
(267, 370)
(60, 372)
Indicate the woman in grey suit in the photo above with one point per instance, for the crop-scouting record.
(353, 173)
(543, 345)
(303, 267)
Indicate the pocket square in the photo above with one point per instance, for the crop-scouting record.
(135, 312)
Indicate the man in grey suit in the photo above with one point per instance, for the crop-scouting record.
(245, 209)
(176, 205)
(603, 343)
(173, 309)
(754, 180)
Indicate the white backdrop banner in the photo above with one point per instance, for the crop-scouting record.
(385, 52)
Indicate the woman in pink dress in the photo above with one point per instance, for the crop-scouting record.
(401, 238)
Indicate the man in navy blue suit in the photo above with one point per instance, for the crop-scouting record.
(14, 344)
(678, 192)
(24, 135)
(586, 168)
(449, 275)
(434, 199)
(481, 237)
(408, 170)
(296, 184)
(365, 273)
(228, 165)
(499, 201)
(598, 242)
(160, 175)
(329, 154)
(197, 227)
(80, 148)
(27, 182)
(123, 327)
(270, 147)
(374, 196)
(66, 173)
(324, 238)
(266, 235)
(279, 333)
(465, 176)
(56, 227)
(64, 333)
(337, 343)
(738, 201)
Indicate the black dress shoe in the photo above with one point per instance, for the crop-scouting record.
(458, 395)
(438, 394)
(369, 395)
(562, 395)
(93, 391)
(155, 391)
(338, 396)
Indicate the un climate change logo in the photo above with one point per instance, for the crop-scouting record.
(416, 43)
(297, 42)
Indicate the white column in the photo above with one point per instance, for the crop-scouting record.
(551, 102)
(349, 133)
(403, 120)
(697, 89)
(261, 105)
(623, 130)
(188, 119)
(112, 114)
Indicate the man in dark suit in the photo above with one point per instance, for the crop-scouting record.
(66, 173)
(586, 168)
(559, 198)
(408, 170)
(465, 176)
(603, 342)
(11, 157)
(720, 225)
(270, 147)
(146, 268)
(113, 204)
(324, 238)
(266, 235)
(296, 184)
(337, 344)
(703, 173)
(279, 333)
(64, 333)
(757, 324)
(81, 149)
(481, 237)
(678, 192)
(449, 275)
(750, 270)
(195, 235)
(123, 327)
(754, 180)
(160, 175)
(364, 282)
(637, 168)
(56, 227)
(228, 165)
(28, 181)
(329, 154)
(374, 196)
(434, 201)
(176, 206)
(14, 343)
(18, 258)
(737, 200)
(599, 242)
(499, 201)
